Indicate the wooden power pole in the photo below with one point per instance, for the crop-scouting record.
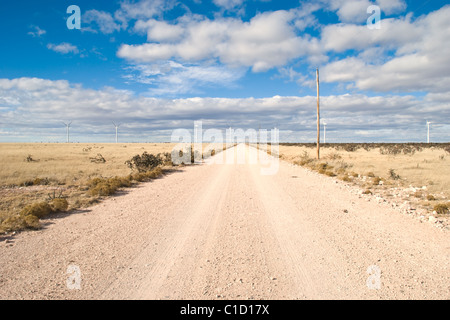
(318, 115)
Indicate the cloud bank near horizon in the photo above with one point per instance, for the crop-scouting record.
(42, 105)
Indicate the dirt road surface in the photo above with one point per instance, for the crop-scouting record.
(225, 231)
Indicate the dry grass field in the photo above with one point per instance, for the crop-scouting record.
(417, 173)
(61, 177)
(68, 164)
(229, 231)
(38, 173)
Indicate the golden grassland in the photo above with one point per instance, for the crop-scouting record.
(421, 176)
(40, 179)
(68, 164)
(80, 173)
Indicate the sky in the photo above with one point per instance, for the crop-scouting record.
(155, 66)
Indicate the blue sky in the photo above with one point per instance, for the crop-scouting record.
(156, 66)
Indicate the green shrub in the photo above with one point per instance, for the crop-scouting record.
(27, 183)
(330, 173)
(418, 194)
(39, 210)
(304, 159)
(376, 181)
(140, 177)
(155, 173)
(350, 147)
(94, 182)
(107, 187)
(41, 181)
(145, 162)
(145, 176)
(98, 159)
(59, 204)
(32, 222)
(341, 170)
(441, 208)
(103, 189)
(334, 156)
(166, 158)
(323, 168)
(18, 223)
(393, 174)
(118, 182)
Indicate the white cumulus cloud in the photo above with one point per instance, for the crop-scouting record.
(268, 40)
(63, 48)
(419, 58)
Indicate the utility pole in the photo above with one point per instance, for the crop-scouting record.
(318, 115)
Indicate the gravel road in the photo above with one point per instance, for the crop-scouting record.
(225, 231)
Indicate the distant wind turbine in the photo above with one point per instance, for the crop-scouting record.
(68, 130)
(259, 133)
(228, 137)
(117, 130)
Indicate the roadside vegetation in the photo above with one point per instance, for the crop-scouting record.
(40, 180)
(418, 173)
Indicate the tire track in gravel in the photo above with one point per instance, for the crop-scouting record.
(164, 245)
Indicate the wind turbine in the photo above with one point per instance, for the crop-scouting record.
(117, 130)
(277, 133)
(259, 133)
(428, 131)
(68, 129)
(230, 134)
